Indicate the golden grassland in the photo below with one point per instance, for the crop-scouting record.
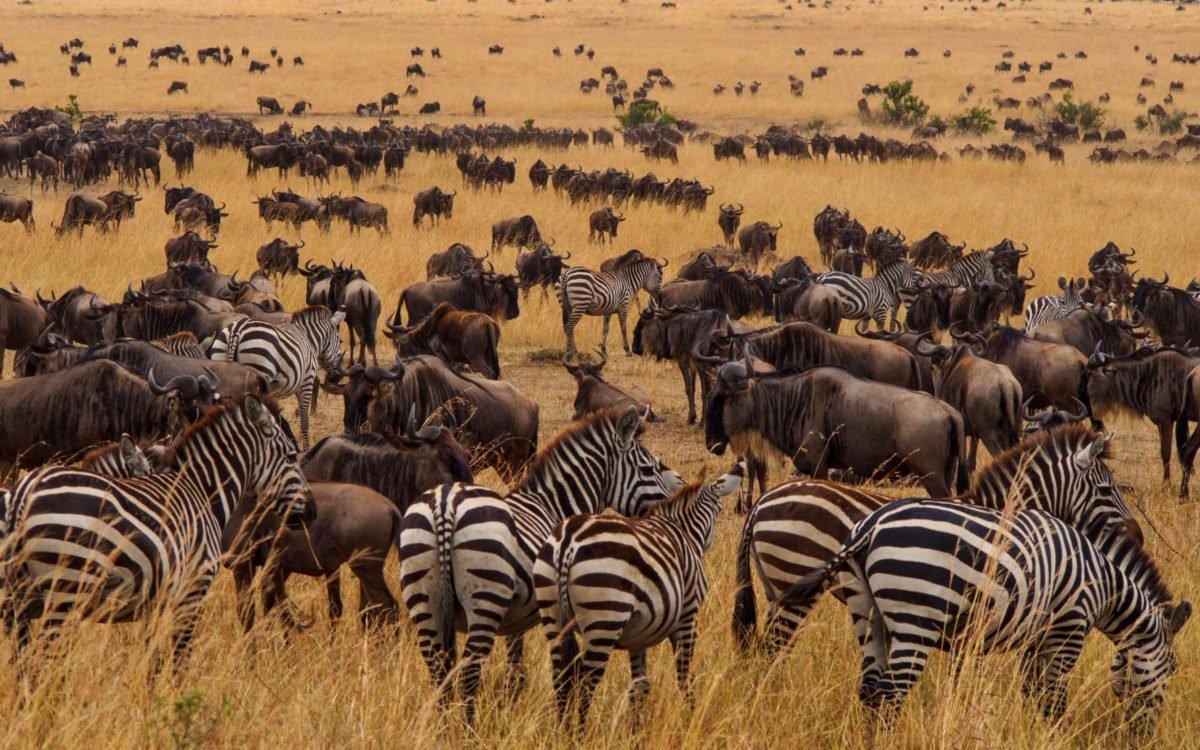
(328, 688)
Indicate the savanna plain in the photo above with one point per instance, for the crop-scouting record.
(337, 687)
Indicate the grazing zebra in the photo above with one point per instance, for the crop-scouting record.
(796, 527)
(972, 269)
(872, 297)
(467, 553)
(937, 574)
(582, 291)
(627, 583)
(1051, 307)
(288, 353)
(113, 550)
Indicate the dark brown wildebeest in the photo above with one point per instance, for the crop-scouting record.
(177, 87)
(539, 267)
(1050, 374)
(432, 203)
(829, 418)
(278, 258)
(520, 232)
(479, 106)
(491, 418)
(300, 107)
(414, 69)
(934, 251)
(359, 213)
(430, 108)
(539, 175)
(603, 224)
(728, 220)
(66, 314)
(986, 394)
(736, 293)
(16, 83)
(260, 67)
(270, 104)
(792, 268)
(758, 240)
(703, 266)
(190, 214)
(189, 248)
(661, 150)
(272, 210)
(14, 208)
(1170, 313)
(495, 49)
(280, 156)
(806, 300)
(82, 210)
(729, 148)
(453, 261)
(1085, 331)
(21, 321)
(458, 337)
(834, 230)
(593, 393)
(480, 291)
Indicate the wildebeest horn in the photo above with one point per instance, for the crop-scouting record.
(1024, 252)
(725, 208)
(38, 294)
(565, 257)
(410, 425)
(174, 384)
(861, 327)
(211, 380)
(1029, 278)
(779, 227)
(1083, 409)
(664, 263)
(740, 208)
(551, 243)
(1166, 278)
(1032, 416)
(603, 357)
(705, 358)
(923, 347)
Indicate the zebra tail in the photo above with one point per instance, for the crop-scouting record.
(804, 592)
(568, 645)
(443, 609)
(745, 607)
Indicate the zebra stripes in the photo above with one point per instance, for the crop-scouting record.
(466, 549)
(796, 527)
(287, 354)
(873, 297)
(626, 583)
(582, 291)
(1052, 307)
(972, 269)
(937, 575)
(112, 550)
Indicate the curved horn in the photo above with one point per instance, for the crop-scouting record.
(603, 357)
(173, 384)
(706, 359)
(664, 263)
(1032, 274)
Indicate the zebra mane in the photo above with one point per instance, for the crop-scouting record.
(682, 496)
(215, 413)
(1073, 437)
(1134, 560)
(96, 454)
(312, 311)
(592, 423)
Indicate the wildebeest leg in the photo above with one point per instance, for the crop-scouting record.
(1187, 453)
(376, 603)
(243, 580)
(333, 591)
(689, 387)
(514, 678)
(1164, 448)
(362, 361)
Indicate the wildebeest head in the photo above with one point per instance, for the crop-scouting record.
(1050, 418)
(732, 378)
(190, 397)
(502, 292)
(359, 386)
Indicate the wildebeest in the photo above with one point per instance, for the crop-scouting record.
(300, 107)
(432, 203)
(490, 418)
(1050, 374)
(188, 248)
(829, 418)
(358, 213)
(278, 258)
(703, 266)
(758, 240)
(539, 267)
(257, 66)
(593, 393)
(477, 290)
(414, 69)
(177, 87)
(270, 104)
(453, 261)
(735, 293)
(82, 210)
(430, 108)
(479, 106)
(934, 251)
(728, 220)
(14, 208)
(835, 230)
(1085, 330)
(603, 223)
(22, 320)
(458, 337)
(1170, 313)
(521, 232)
(805, 299)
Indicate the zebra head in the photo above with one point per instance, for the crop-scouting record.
(328, 340)
(1145, 661)
(273, 472)
(634, 478)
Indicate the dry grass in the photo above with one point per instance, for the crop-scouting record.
(325, 689)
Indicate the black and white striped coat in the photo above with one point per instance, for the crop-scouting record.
(582, 291)
(972, 269)
(467, 553)
(936, 575)
(83, 544)
(1054, 306)
(629, 584)
(287, 354)
(874, 297)
(798, 526)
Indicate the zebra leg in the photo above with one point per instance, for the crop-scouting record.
(304, 402)
(1053, 659)
(905, 665)
(604, 335)
(570, 320)
(784, 622)
(564, 660)
(187, 615)
(622, 314)
(683, 641)
(597, 649)
(423, 593)
(514, 678)
(639, 686)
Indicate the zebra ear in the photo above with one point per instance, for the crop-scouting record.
(1178, 616)
(337, 318)
(727, 484)
(628, 425)
(258, 414)
(1085, 457)
(133, 458)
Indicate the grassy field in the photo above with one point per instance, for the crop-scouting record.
(334, 688)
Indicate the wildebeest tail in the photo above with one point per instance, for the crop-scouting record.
(1011, 410)
(745, 608)
(955, 460)
(493, 347)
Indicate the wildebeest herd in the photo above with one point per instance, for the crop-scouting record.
(155, 450)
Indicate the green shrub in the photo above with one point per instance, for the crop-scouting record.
(72, 109)
(1172, 124)
(1088, 115)
(641, 113)
(901, 106)
(976, 120)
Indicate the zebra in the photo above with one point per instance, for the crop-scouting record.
(1052, 307)
(184, 344)
(468, 550)
(287, 354)
(113, 550)
(582, 291)
(120, 460)
(627, 583)
(872, 297)
(971, 269)
(953, 574)
(796, 527)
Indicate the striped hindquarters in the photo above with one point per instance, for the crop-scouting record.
(286, 359)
